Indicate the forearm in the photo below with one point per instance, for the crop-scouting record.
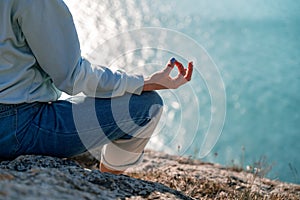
(100, 81)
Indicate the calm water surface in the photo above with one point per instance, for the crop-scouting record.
(256, 47)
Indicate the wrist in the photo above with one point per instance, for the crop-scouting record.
(147, 85)
(150, 86)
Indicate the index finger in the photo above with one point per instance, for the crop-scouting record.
(180, 68)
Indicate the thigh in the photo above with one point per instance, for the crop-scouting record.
(69, 127)
(132, 112)
(99, 121)
(48, 129)
(116, 118)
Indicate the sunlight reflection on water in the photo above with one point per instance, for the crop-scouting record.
(256, 48)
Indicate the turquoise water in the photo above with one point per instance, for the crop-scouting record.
(256, 47)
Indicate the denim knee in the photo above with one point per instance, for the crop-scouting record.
(128, 151)
(156, 98)
(156, 104)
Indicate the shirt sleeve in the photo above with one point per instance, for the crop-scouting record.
(51, 35)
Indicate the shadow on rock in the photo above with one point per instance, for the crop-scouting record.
(35, 177)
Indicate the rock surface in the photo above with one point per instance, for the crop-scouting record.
(42, 177)
(160, 176)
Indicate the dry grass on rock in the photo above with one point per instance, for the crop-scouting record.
(200, 180)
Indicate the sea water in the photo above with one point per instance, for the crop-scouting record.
(255, 45)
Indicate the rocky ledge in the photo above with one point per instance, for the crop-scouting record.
(160, 176)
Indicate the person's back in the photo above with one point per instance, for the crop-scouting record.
(18, 66)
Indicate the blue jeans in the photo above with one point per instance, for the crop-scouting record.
(56, 128)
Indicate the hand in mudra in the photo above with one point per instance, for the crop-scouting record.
(162, 79)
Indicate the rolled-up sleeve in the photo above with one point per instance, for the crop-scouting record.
(50, 32)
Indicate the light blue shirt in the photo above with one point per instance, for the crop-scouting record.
(40, 56)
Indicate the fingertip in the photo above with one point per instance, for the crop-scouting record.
(171, 63)
(190, 66)
(172, 60)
